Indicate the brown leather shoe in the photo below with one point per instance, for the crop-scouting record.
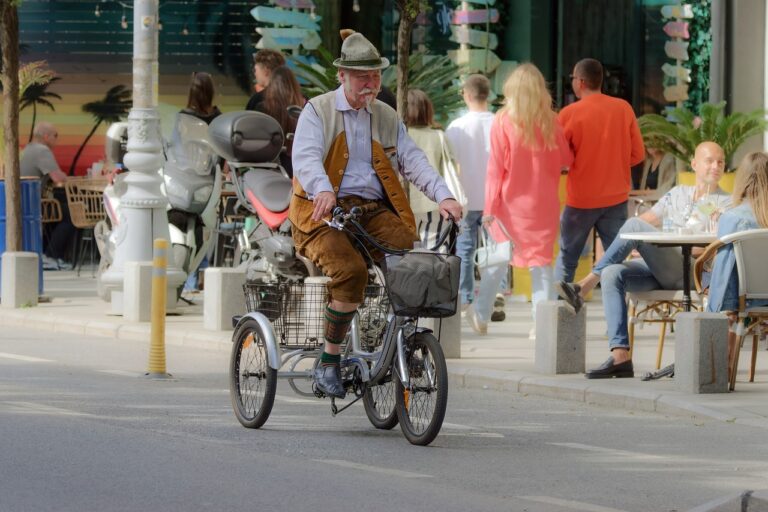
(609, 370)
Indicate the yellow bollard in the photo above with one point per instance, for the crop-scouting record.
(157, 327)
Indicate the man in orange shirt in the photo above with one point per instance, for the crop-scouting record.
(606, 143)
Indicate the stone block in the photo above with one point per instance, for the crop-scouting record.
(701, 353)
(137, 291)
(223, 297)
(21, 279)
(561, 338)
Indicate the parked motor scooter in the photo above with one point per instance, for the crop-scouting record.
(191, 182)
(251, 142)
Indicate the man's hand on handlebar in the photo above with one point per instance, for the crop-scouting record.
(450, 208)
(324, 203)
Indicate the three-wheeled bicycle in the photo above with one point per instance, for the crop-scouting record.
(390, 362)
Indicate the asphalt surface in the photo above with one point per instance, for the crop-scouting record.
(81, 430)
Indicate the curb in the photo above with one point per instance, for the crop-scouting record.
(558, 387)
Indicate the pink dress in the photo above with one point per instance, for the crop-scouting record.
(521, 191)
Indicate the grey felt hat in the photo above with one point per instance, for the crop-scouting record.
(358, 53)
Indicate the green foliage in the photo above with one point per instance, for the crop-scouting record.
(700, 51)
(435, 75)
(321, 76)
(680, 138)
(431, 73)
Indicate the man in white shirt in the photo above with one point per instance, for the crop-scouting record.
(472, 134)
(695, 207)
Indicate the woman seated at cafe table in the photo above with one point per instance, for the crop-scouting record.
(750, 211)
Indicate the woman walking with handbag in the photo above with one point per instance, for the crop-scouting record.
(419, 118)
(528, 152)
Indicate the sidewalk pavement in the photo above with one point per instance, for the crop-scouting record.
(501, 360)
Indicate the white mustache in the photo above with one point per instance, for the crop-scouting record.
(365, 91)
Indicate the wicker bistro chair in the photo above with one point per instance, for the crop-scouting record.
(86, 208)
(656, 307)
(50, 214)
(750, 248)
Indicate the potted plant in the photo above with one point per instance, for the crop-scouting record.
(679, 134)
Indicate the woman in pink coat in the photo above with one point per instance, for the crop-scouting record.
(528, 152)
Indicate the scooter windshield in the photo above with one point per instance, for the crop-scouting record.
(190, 148)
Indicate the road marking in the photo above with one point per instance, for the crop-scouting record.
(44, 409)
(121, 373)
(372, 469)
(610, 451)
(28, 359)
(492, 435)
(291, 400)
(570, 504)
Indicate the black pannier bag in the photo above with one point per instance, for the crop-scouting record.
(423, 284)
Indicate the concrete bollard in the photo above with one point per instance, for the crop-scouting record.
(450, 333)
(137, 291)
(561, 338)
(701, 353)
(21, 279)
(223, 297)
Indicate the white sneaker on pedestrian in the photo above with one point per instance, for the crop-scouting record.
(477, 325)
(532, 334)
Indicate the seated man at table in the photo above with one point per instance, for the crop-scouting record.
(691, 208)
(37, 161)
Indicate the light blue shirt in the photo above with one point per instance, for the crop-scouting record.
(359, 177)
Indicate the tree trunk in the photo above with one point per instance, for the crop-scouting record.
(9, 40)
(81, 148)
(408, 9)
(34, 120)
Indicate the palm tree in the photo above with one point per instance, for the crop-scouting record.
(38, 94)
(680, 136)
(112, 108)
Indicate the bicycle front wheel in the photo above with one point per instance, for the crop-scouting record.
(252, 383)
(379, 404)
(422, 402)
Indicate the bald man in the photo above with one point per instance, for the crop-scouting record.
(37, 161)
(659, 267)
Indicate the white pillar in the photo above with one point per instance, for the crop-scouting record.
(143, 207)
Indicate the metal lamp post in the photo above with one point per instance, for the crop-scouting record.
(143, 206)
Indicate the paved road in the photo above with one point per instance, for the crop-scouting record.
(80, 431)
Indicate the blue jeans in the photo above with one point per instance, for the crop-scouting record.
(466, 243)
(575, 225)
(660, 268)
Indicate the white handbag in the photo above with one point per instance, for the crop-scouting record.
(493, 253)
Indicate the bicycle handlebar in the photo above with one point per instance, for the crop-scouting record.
(340, 218)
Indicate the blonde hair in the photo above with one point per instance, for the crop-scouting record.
(751, 185)
(528, 104)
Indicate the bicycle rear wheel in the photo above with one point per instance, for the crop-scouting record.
(379, 404)
(422, 402)
(252, 383)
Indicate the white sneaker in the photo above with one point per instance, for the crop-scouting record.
(50, 263)
(532, 334)
(478, 326)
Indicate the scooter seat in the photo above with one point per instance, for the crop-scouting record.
(270, 188)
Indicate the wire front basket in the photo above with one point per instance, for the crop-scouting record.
(297, 312)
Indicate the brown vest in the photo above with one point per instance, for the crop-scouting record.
(384, 129)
